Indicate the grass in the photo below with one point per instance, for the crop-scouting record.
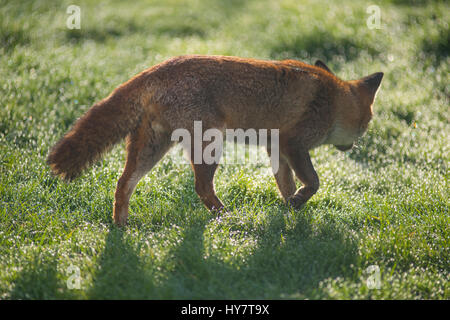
(385, 203)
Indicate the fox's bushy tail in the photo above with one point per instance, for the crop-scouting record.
(103, 125)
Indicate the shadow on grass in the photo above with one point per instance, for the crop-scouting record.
(438, 46)
(121, 27)
(38, 279)
(100, 33)
(286, 263)
(415, 2)
(197, 20)
(120, 273)
(12, 35)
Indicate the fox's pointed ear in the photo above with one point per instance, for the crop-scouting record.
(372, 82)
(321, 64)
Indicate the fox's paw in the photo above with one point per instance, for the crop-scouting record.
(220, 214)
(120, 222)
(296, 202)
(219, 211)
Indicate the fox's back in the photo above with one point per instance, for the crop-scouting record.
(242, 93)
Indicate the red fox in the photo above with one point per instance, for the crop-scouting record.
(308, 104)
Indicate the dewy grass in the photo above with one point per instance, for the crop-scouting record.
(376, 229)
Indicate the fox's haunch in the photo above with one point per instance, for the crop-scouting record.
(103, 125)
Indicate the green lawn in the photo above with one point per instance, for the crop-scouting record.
(383, 204)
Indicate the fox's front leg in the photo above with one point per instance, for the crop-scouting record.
(204, 186)
(300, 161)
(204, 181)
(284, 177)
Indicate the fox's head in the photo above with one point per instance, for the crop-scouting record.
(354, 109)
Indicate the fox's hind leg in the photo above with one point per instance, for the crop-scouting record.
(145, 148)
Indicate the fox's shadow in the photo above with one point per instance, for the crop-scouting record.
(287, 262)
(120, 272)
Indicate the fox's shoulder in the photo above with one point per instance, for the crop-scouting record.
(306, 67)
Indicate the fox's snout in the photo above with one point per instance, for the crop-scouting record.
(345, 147)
